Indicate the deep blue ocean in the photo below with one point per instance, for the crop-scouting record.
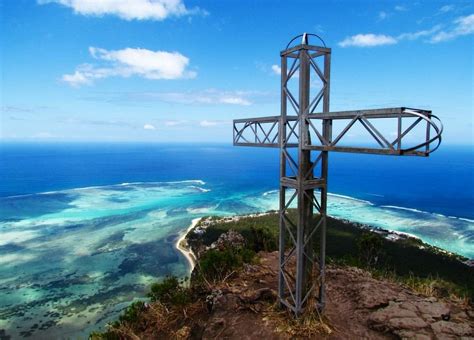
(442, 183)
(86, 227)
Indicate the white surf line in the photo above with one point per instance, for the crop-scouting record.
(198, 181)
(187, 252)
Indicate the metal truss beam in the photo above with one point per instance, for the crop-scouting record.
(399, 115)
(303, 179)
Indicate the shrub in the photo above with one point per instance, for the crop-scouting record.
(263, 239)
(215, 265)
(130, 316)
(132, 313)
(107, 335)
(170, 292)
(370, 247)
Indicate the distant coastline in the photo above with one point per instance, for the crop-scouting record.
(182, 247)
(392, 235)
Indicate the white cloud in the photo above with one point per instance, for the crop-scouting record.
(206, 97)
(419, 34)
(175, 122)
(400, 8)
(234, 100)
(78, 78)
(276, 69)
(129, 9)
(462, 26)
(446, 8)
(128, 62)
(368, 40)
(149, 127)
(207, 123)
(382, 15)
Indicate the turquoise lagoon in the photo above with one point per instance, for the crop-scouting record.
(72, 256)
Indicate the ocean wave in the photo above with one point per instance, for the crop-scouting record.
(196, 181)
(407, 209)
(376, 195)
(266, 193)
(199, 188)
(350, 198)
(428, 213)
(459, 218)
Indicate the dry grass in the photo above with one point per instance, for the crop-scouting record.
(432, 286)
(158, 322)
(308, 325)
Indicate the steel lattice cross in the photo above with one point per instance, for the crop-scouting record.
(303, 179)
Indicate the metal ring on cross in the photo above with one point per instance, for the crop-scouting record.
(437, 127)
(305, 38)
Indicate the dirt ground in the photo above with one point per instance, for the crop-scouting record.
(358, 306)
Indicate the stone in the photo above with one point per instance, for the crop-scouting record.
(434, 310)
(451, 328)
(230, 239)
(413, 335)
(410, 323)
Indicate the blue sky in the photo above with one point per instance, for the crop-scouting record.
(171, 70)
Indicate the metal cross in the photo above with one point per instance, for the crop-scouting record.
(301, 272)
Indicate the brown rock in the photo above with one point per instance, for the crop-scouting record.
(434, 310)
(265, 294)
(414, 335)
(408, 323)
(451, 328)
(392, 311)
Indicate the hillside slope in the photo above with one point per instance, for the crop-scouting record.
(232, 292)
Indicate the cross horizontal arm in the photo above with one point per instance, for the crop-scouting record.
(373, 113)
(263, 131)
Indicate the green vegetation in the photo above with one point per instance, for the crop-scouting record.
(408, 261)
(130, 316)
(215, 265)
(170, 292)
(370, 248)
(171, 295)
(260, 233)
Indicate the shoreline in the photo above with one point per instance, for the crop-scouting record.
(391, 235)
(186, 251)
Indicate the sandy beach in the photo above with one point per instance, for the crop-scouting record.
(184, 249)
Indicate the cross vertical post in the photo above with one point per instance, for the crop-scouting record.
(303, 231)
(301, 271)
(327, 134)
(281, 142)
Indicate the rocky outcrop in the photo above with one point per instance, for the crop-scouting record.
(393, 310)
(358, 306)
(230, 239)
